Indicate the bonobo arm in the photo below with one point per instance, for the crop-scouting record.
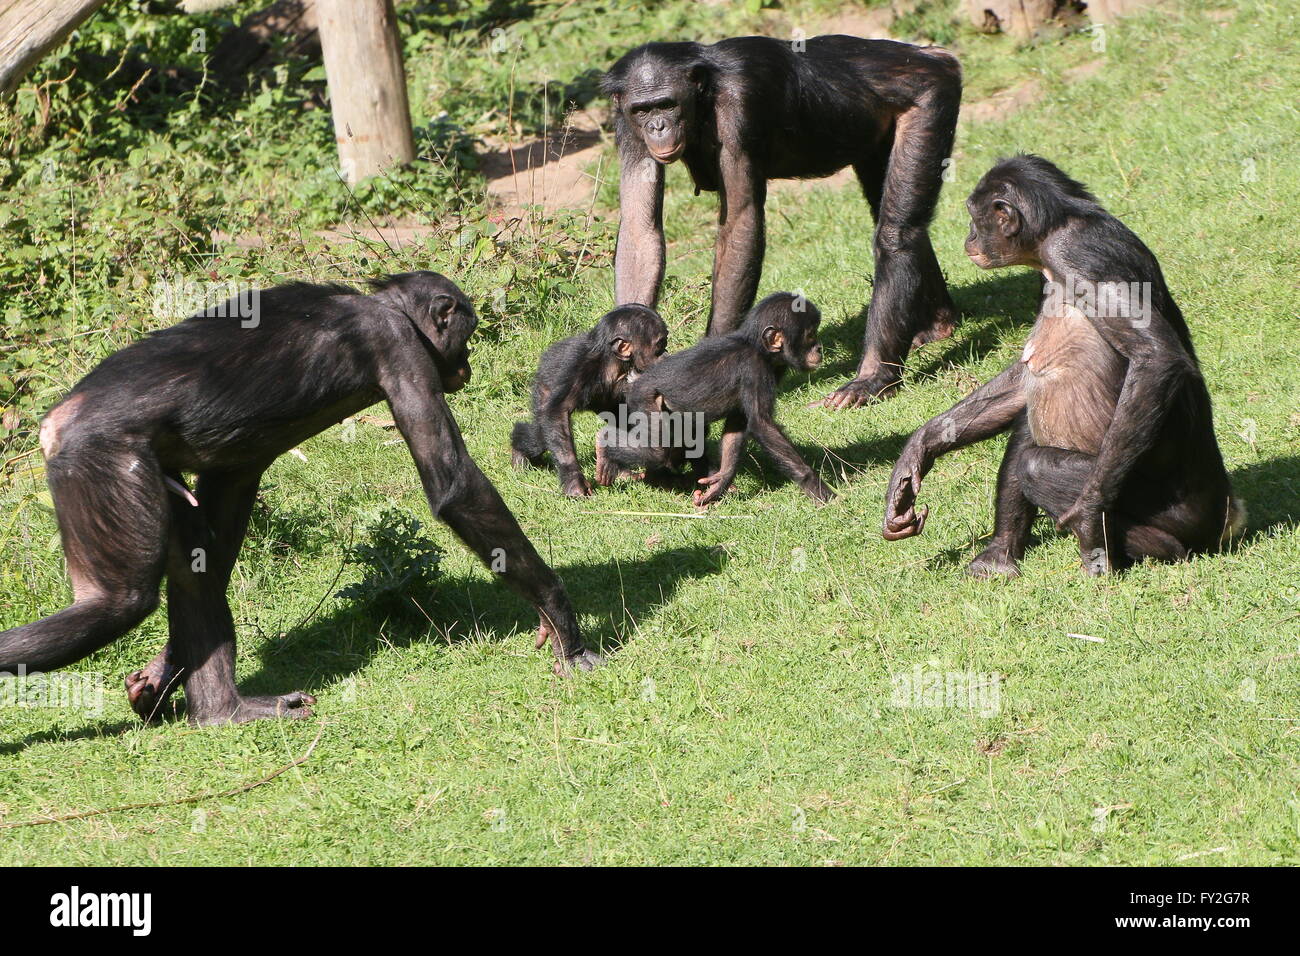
(460, 495)
(1158, 367)
(738, 254)
(556, 421)
(732, 444)
(983, 413)
(760, 406)
(639, 255)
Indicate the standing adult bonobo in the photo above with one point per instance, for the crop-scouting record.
(222, 399)
(1111, 429)
(750, 109)
(589, 372)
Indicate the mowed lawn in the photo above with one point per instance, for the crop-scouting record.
(750, 711)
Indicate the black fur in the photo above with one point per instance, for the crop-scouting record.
(222, 394)
(587, 372)
(732, 378)
(1111, 427)
(782, 112)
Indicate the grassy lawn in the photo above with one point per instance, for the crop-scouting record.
(748, 712)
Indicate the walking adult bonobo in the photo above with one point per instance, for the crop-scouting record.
(1111, 429)
(750, 109)
(223, 394)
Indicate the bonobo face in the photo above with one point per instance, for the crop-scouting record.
(638, 337)
(439, 310)
(804, 351)
(996, 228)
(787, 327)
(454, 321)
(659, 103)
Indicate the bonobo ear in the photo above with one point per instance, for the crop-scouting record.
(699, 76)
(1007, 217)
(773, 339)
(617, 100)
(622, 348)
(441, 307)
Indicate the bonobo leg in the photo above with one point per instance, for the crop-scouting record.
(109, 500)
(1052, 477)
(204, 544)
(1014, 513)
(910, 304)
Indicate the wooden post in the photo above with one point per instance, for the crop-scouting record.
(31, 28)
(367, 82)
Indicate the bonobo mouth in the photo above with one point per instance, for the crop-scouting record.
(979, 259)
(667, 156)
(457, 379)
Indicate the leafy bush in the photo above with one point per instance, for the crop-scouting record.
(400, 563)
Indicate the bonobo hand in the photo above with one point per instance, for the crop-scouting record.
(902, 520)
(862, 391)
(714, 486)
(577, 487)
(565, 664)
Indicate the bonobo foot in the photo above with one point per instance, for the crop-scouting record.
(295, 705)
(992, 562)
(862, 391)
(943, 326)
(147, 689)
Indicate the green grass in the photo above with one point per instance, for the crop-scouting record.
(746, 712)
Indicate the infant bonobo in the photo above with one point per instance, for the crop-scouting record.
(586, 373)
(732, 377)
(1111, 429)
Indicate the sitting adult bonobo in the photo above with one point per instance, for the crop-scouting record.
(589, 372)
(215, 397)
(732, 378)
(750, 109)
(1111, 430)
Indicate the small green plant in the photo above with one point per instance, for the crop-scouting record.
(400, 563)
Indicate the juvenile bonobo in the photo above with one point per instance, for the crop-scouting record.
(732, 377)
(1110, 421)
(589, 372)
(222, 394)
(750, 109)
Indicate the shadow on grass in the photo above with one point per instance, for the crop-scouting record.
(1015, 292)
(619, 593)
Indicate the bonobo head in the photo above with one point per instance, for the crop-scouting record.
(442, 315)
(633, 336)
(1016, 206)
(657, 88)
(784, 325)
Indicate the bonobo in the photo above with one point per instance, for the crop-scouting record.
(1111, 430)
(222, 397)
(750, 109)
(589, 372)
(731, 377)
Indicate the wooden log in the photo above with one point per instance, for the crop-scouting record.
(367, 84)
(29, 29)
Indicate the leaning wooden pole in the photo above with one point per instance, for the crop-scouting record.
(29, 29)
(367, 82)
